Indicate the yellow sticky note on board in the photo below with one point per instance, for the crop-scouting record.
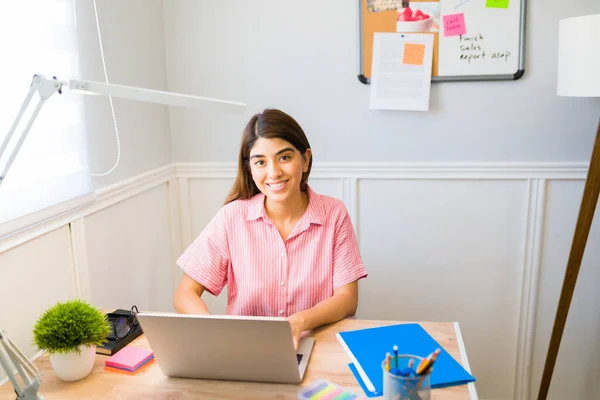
(496, 3)
(414, 53)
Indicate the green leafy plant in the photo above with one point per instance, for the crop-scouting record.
(66, 326)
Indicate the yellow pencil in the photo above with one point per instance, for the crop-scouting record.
(426, 363)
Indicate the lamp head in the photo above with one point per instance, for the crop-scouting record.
(579, 56)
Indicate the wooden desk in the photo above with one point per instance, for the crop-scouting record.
(328, 360)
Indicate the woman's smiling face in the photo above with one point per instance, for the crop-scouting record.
(277, 167)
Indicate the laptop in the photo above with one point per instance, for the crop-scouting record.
(226, 347)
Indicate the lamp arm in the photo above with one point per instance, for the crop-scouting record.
(29, 373)
(153, 96)
(45, 89)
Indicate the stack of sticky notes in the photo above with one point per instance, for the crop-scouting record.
(129, 359)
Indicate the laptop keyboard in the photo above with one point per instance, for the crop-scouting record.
(299, 357)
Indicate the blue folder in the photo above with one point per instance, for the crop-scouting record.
(367, 349)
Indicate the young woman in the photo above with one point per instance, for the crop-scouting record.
(282, 249)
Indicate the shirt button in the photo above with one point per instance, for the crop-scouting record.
(280, 312)
(282, 254)
(282, 283)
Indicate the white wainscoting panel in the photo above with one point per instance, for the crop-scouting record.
(333, 187)
(577, 371)
(129, 252)
(175, 227)
(206, 198)
(448, 250)
(34, 276)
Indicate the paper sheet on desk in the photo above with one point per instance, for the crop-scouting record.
(401, 71)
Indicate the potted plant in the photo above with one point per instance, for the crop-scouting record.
(70, 332)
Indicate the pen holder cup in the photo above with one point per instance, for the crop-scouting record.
(398, 387)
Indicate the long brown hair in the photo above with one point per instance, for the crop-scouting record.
(271, 123)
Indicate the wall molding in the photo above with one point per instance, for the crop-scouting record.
(131, 187)
(175, 223)
(30, 226)
(393, 170)
(532, 255)
(80, 260)
(103, 198)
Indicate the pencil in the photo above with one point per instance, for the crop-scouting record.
(426, 363)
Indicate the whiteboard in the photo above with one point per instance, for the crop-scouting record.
(473, 39)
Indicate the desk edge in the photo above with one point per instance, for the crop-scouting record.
(465, 360)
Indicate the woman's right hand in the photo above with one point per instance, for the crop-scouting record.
(187, 299)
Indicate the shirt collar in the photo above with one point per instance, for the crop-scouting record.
(315, 213)
(256, 209)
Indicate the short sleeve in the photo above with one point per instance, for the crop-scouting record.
(347, 263)
(206, 260)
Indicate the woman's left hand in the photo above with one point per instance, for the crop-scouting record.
(296, 324)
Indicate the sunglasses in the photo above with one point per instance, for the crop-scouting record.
(122, 325)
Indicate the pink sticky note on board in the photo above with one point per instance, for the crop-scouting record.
(454, 24)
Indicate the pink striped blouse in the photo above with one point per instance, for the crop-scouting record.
(267, 276)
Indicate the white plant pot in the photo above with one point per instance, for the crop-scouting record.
(72, 366)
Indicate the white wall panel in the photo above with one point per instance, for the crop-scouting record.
(577, 368)
(129, 253)
(329, 187)
(448, 251)
(35, 276)
(206, 198)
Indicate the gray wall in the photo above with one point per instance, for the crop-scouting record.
(302, 57)
(134, 52)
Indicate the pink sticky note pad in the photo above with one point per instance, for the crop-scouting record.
(129, 358)
(454, 24)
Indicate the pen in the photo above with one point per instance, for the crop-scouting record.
(388, 359)
(426, 363)
(396, 355)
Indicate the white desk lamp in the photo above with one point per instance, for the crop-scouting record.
(47, 87)
(578, 75)
(30, 375)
